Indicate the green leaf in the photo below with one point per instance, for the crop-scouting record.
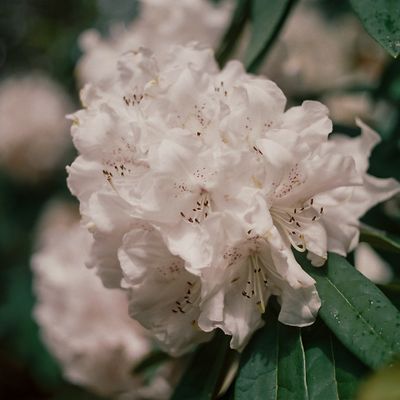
(258, 371)
(348, 369)
(291, 365)
(200, 380)
(267, 18)
(332, 371)
(233, 32)
(379, 239)
(287, 363)
(358, 313)
(381, 19)
(321, 373)
(273, 365)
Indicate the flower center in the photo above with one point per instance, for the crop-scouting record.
(256, 282)
(191, 297)
(200, 209)
(292, 221)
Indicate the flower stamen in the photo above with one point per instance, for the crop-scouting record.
(191, 297)
(293, 221)
(200, 210)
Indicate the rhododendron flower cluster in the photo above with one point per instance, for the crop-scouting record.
(84, 325)
(198, 187)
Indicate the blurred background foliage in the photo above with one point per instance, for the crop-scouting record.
(42, 35)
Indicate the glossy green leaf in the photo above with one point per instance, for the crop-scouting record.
(273, 365)
(379, 239)
(320, 369)
(287, 363)
(200, 380)
(267, 18)
(358, 313)
(348, 370)
(292, 381)
(258, 370)
(332, 371)
(381, 18)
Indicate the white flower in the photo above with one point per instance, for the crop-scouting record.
(164, 296)
(84, 325)
(161, 23)
(316, 190)
(197, 185)
(251, 271)
(345, 107)
(370, 264)
(33, 128)
(346, 206)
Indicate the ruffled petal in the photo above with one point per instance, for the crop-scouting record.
(295, 289)
(164, 297)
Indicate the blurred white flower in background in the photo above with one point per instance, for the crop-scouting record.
(197, 185)
(345, 107)
(85, 326)
(316, 52)
(371, 264)
(33, 128)
(161, 23)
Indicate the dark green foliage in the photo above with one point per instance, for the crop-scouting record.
(356, 311)
(288, 363)
(381, 18)
(205, 370)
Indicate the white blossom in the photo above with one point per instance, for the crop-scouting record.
(160, 24)
(346, 206)
(33, 129)
(85, 326)
(198, 187)
(346, 107)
